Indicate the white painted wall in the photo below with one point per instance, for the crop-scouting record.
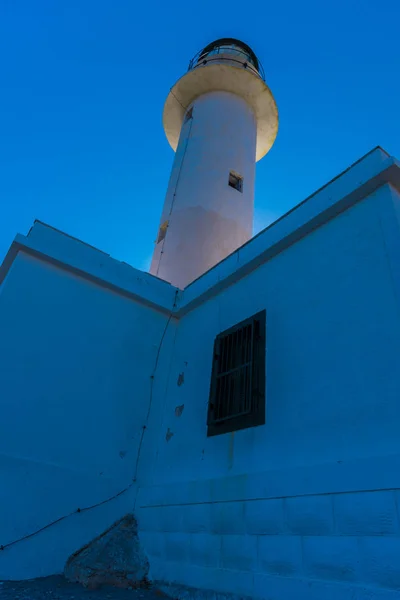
(208, 219)
(76, 361)
(307, 505)
(330, 301)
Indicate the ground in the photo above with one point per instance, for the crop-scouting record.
(58, 588)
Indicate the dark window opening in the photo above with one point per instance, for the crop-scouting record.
(236, 181)
(237, 391)
(162, 232)
(189, 115)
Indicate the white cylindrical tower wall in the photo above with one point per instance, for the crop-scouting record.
(204, 218)
(220, 118)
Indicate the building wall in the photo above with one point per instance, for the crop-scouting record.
(306, 505)
(76, 362)
(207, 218)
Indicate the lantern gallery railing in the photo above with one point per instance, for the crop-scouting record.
(230, 53)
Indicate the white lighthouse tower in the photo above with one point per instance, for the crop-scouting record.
(220, 118)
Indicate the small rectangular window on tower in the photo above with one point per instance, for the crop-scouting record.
(189, 114)
(162, 232)
(236, 181)
(237, 390)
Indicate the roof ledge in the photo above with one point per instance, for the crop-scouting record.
(63, 251)
(358, 181)
(46, 243)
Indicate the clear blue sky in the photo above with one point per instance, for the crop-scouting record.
(83, 83)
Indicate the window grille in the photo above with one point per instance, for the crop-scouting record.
(237, 391)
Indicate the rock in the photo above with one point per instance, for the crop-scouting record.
(113, 558)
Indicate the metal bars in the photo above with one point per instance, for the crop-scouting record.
(238, 377)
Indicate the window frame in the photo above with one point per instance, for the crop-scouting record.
(239, 181)
(256, 416)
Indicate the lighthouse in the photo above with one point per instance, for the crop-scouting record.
(220, 118)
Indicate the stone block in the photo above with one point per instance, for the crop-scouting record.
(227, 518)
(380, 560)
(205, 549)
(365, 513)
(202, 578)
(237, 583)
(168, 575)
(196, 518)
(332, 557)
(265, 517)
(170, 518)
(374, 593)
(272, 587)
(149, 519)
(239, 552)
(228, 489)
(177, 547)
(280, 555)
(309, 515)
(114, 558)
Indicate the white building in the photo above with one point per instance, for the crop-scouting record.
(220, 117)
(285, 484)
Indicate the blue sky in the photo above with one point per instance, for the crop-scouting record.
(83, 84)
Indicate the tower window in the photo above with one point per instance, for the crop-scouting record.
(189, 115)
(236, 181)
(162, 232)
(237, 390)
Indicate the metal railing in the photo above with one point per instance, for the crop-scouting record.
(203, 58)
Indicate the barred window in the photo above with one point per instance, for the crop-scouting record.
(237, 391)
